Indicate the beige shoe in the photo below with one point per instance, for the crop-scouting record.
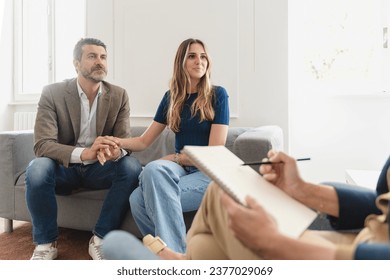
(154, 244)
(95, 250)
(45, 252)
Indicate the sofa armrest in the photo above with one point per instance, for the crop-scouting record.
(254, 144)
(16, 149)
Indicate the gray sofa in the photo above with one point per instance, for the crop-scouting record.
(80, 210)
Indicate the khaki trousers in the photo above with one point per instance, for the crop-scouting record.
(210, 237)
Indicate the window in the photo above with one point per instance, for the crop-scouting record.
(339, 46)
(45, 32)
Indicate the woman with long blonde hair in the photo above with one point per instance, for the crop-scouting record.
(198, 113)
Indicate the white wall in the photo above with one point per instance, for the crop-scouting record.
(336, 130)
(339, 132)
(6, 111)
(247, 40)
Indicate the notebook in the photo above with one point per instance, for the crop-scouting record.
(226, 169)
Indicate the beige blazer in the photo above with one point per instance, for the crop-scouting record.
(57, 126)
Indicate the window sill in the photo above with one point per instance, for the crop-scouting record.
(22, 103)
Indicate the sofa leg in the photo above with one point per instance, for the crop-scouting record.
(8, 225)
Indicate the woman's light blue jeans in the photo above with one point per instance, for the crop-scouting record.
(165, 191)
(45, 178)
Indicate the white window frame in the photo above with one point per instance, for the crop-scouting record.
(33, 97)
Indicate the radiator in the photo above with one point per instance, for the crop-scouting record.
(24, 120)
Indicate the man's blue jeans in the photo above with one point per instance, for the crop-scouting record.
(165, 191)
(45, 178)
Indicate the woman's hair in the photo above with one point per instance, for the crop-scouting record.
(179, 84)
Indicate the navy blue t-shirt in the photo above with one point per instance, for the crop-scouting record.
(191, 130)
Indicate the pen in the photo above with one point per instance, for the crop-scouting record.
(270, 162)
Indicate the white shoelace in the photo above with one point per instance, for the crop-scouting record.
(40, 255)
(97, 249)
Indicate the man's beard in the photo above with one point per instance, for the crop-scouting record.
(95, 76)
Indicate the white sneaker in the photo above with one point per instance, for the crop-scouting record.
(45, 252)
(95, 249)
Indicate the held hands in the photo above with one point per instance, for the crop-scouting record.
(104, 148)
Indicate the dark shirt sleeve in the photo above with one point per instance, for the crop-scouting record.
(161, 113)
(373, 251)
(221, 106)
(355, 204)
(382, 185)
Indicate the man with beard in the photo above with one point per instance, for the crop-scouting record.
(72, 119)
